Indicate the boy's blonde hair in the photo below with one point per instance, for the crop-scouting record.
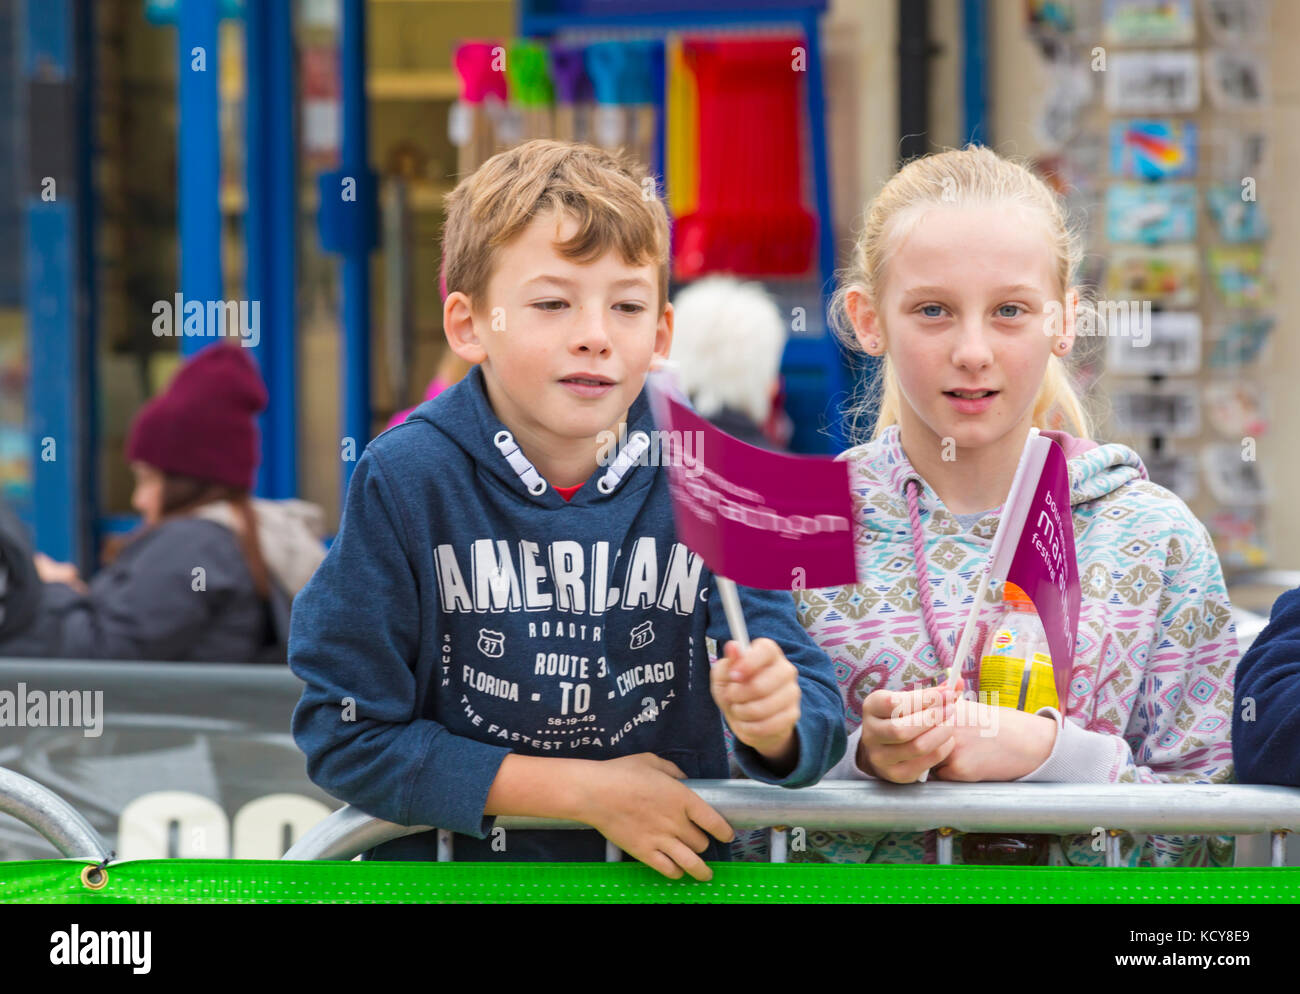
(975, 175)
(613, 201)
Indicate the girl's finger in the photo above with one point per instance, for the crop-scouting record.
(909, 771)
(929, 741)
(895, 703)
(905, 728)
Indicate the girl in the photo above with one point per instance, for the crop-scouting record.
(211, 573)
(961, 285)
(451, 370)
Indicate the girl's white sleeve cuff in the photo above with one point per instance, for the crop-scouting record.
(1078, 755)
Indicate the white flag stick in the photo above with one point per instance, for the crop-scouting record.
(963, 644)
(1028, 469)
(967, 633)
(735, 616)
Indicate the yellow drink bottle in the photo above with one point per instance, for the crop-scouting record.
(1016, 664)
(1015, 672)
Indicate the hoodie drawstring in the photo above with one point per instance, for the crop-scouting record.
(922, 575)
(637, 443)
(528, 475)
(924, 594)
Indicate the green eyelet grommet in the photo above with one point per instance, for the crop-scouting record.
(94, 877)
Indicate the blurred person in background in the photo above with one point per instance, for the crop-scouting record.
(451, 370)
(211, 573)
(728, 339)
(19, 582)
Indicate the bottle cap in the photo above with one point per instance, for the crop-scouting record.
(1011, 594)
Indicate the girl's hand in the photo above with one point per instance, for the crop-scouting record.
(996, 743)
(904, 733)
(51, 571)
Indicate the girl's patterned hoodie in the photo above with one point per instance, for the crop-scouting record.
(1151, 689)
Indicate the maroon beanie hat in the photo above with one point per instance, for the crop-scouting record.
(204, 424)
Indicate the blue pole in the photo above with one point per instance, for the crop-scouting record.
(356, 259)
(836, 374)
(56, 213)
(975, 97)
(257, 278)
(199, 160)
(86, 516)
(271, 235)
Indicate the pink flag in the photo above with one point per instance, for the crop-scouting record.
(1034, 548)
(762, 519)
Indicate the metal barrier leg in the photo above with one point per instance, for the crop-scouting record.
(48, 814)
(778, 845)
(1278, 847)
(944, 847)
(444, 845)
(1112, 847)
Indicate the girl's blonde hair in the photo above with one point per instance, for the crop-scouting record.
(975, 175)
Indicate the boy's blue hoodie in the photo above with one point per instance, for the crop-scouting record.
(466, 611)
(1266, 718)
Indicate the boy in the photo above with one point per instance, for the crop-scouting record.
(503, 626)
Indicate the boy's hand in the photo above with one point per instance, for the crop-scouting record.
(637, 803)
(758, 694)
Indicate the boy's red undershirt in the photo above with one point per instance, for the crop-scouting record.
(568, 492)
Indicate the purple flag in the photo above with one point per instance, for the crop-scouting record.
(1034, 549)
(759, 518)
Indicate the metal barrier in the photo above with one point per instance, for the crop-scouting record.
(51, 816)
(1049, 808)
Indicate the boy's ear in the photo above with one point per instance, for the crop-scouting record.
(664, 333)
(458, 326)
(866, 323)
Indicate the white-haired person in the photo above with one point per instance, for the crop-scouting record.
(727, 344)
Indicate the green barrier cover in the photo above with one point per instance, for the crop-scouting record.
(163, 881)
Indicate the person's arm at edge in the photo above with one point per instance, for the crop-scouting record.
(1266, 715)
